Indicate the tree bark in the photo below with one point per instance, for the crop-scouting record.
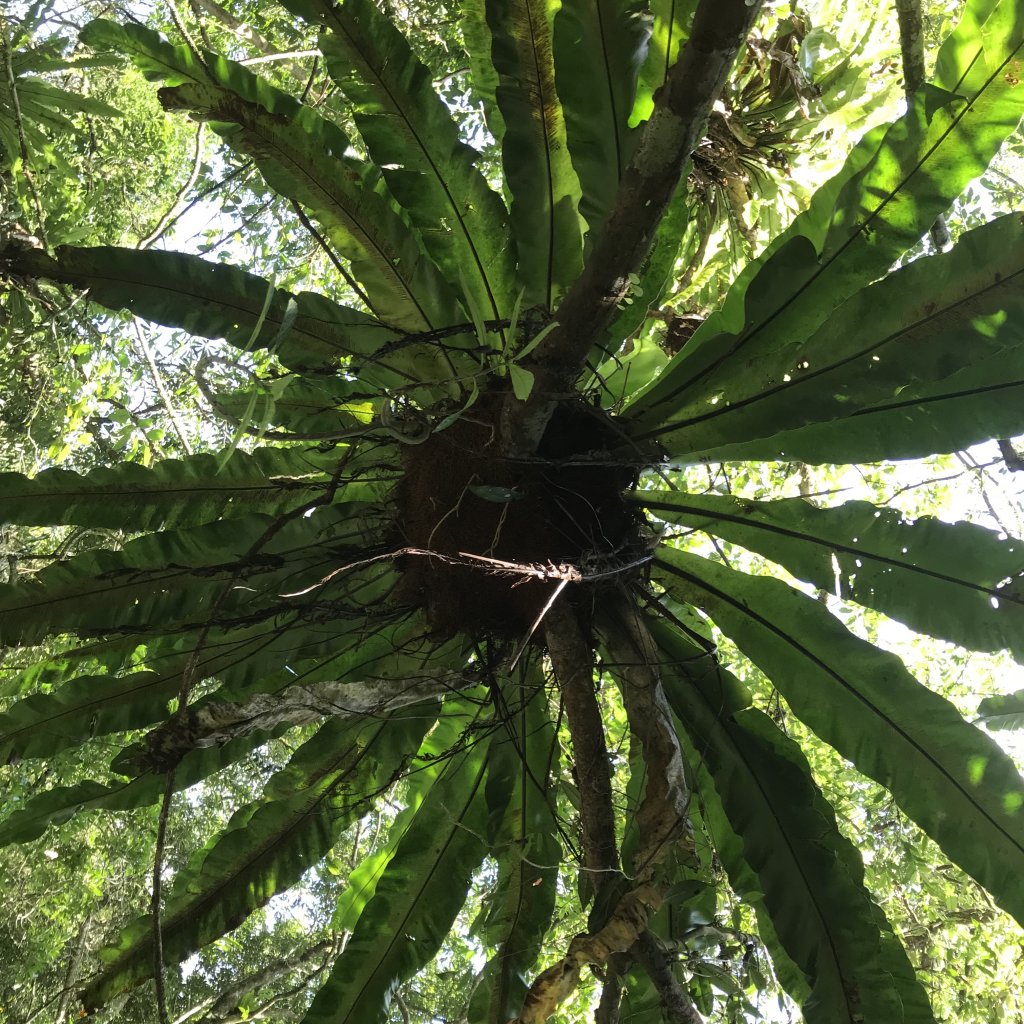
(1014, 461)
(911, 24)
(663, 815)
(573, 662)
(675, 1000)
(607, 1011)
(681, 110)
(911, 43)
(625, 925)
(213, 723)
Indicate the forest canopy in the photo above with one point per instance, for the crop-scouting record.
(511, 511)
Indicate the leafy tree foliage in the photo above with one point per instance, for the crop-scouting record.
(438, 571)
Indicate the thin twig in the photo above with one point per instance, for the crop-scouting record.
(269, 58)
(230, 176)
(536, 622)
(170, 217)
(161, 389)
(155, 900)
(338, 265)
(73, 968)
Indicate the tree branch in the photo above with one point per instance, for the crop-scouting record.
(1014, 461)
(73, 968)
(675, 1000)
(626, 924)
(213, 723)
(911, 43)
(248, 34)
(675, 127)
(573, 662)
(607, 1011)
(908, 13)
(170, 216)
(230, 996)
(663, 815)
(26, 161)
(161, 389)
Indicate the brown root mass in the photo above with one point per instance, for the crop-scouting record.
(459, 495)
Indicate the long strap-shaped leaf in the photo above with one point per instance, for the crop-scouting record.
(917, 326)
(1004, 711)
(211, 300)
(483, 78)
(944, 579)
(810, 876)
(599, 46)
(517, 910)
(432, 760)
(256, 660)
(166, 577)
(670, 27)
(171, 494)
(416, 899)
(981, 401)
(410, 134)
(91, 705)
(302, 157)
(299, 408)
(645, 192)
(544, 187)
(57, 805)
(157, 59)
(920, 164)
(951, 778)
(268, 844)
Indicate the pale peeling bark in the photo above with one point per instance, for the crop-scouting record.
(247, 34)
(215, 722)
(681, 110)
(663, 816)
(661, 820)
(554, 985)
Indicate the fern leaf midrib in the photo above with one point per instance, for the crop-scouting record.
(847, 686)
(438, 176)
